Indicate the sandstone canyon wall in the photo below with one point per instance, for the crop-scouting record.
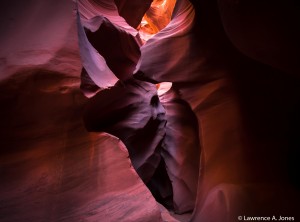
(88, 134)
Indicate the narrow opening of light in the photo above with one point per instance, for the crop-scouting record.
(156, 18)
(163, 87)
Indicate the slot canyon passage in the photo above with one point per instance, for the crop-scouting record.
(141, 110)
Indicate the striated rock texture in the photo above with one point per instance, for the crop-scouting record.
(51, 168)
(244, 110)
(181, 150)
(132, 112)
(156, 138)
(222, 142)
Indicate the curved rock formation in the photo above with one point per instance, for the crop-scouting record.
(222, 142)
(132, 111)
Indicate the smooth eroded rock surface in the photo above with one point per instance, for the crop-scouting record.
(52, 169)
